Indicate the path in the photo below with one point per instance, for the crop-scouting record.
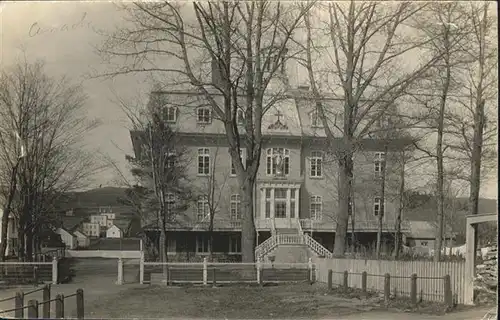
(97, 278)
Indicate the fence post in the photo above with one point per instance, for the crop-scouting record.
(346, 279)
(35, 276)
(119, 281)
(79, 304)
(413, 290)
(141, 267)
(214, 281)
(330, 279)
(32, 309)
(205, 274)
(258, 270)
(54, 270)
(364, 277)
(19, 304)
(170, 281)
(448, 296)
(310, 266)
(60, 306)
(46, 305)
(387, 287)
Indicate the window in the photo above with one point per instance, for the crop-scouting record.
(316, 207)
(424, 243)
(204, 115)
(203, 161)
(280, 203)
(201, 244)
(292, 203)
(240, 117)
(170, 159)
(379, 162)
(234, 244)
(202, 209)
(377, 206)
(316, 164)
(268, 203)
(278, 161)
(235, 207)
(277, 62)
(170, 114)
(170, 202)
(315, 118)
(171, 245)
(242, 157)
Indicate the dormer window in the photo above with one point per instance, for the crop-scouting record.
(204, 115)
(315, 118)
(170, 114)
(277, 61)
(278, 161)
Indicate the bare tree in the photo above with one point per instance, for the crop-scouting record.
(482, 83)
(451, 33)
(213, 188)
(361, 46)
(49, 118)
(245, 46)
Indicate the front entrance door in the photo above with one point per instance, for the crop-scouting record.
(281, 206)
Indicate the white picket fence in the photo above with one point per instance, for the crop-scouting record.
(430, 286)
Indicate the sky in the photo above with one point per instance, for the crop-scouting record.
(64, 35)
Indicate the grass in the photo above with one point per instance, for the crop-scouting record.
(282, 301)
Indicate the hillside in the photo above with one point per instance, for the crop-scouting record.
(99, 197)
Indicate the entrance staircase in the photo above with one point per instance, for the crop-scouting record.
(290, 245)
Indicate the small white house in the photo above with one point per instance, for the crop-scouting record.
(68, 238)
(82, 240)
(119, 229)
(114, 232)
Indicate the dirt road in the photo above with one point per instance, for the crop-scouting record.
(476, 314)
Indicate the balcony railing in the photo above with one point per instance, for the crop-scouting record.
(362, 225)
(306, 225)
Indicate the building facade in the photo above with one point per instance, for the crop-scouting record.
(297, 184)
(91, 229)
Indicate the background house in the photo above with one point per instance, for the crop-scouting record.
(83, 241)
(120, 229)
(66, 230)
(423, 207)
(422, 236)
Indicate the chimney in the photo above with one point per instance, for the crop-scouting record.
(303, 87)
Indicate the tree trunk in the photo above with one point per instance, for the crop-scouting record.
(398, 240)
(247, 223)
(6, 212)
(20, 244)
(475, 180)
(345, 179)
(29, 245)
(352, 214)
(382, 206)
(211, 238)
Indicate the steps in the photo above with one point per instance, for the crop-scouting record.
(287, 231)
(269, 247)
(291, 254)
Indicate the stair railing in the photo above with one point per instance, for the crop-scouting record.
(265, 247)
(317, 247)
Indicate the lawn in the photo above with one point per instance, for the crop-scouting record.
(282, 301)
